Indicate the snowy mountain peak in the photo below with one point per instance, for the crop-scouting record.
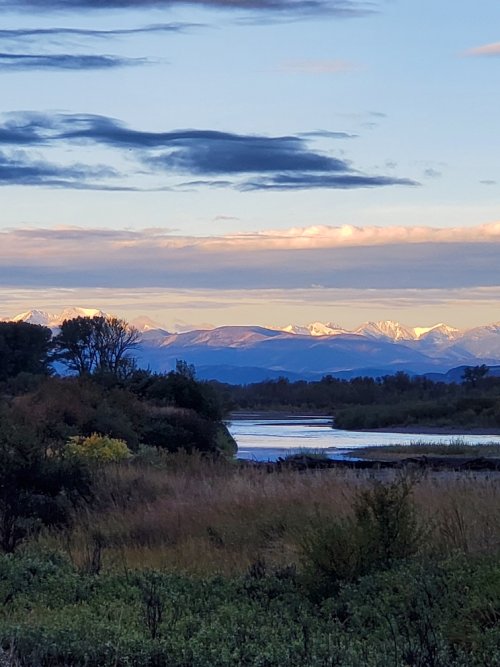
(52, 320)
(441, 330)
(296, 329)
(327, 329)
(74, 312)
(386, 329)
(34, 317)
(145, 323)
(314, 329)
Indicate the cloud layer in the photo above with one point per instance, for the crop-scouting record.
(213, 158)
(326, 257)
(183, 309)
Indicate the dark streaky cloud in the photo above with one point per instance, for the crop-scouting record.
(64, 61)
(20, 169)
(338, 8)
(16, 34)
(328, 134)
(220, 153)
(274, 163)
(304, 181)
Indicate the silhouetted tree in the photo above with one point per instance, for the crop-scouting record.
(474, 374)
(24, 348)
(97, 345)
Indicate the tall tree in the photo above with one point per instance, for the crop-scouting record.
(96, 345)
(23, 348)
(473, 375)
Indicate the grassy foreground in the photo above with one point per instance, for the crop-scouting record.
(183, 562)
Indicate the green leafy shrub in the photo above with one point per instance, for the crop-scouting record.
(383, 531)
(418, 614)
(386, 524)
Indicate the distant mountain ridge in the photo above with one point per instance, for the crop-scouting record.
(244, 353)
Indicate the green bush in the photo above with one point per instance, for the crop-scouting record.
(383, 530)
(386, 524)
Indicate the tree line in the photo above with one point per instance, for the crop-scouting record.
(366, 402)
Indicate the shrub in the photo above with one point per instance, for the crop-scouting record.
(386, 523)
(180, 429)
(98, 449)
(383, 531)
(35, 489)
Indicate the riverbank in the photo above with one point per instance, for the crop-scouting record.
(458, 432)
(281, 417)
(427, 452)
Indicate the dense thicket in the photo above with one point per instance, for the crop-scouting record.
(169, 411)
(42, 417)
(37, 487)
(108, 396)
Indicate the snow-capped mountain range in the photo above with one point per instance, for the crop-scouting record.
(251, 353)
(50, 319)
(383, 329)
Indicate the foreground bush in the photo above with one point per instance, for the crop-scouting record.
(36, 489)
(444, 615)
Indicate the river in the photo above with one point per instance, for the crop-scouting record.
(268, 439)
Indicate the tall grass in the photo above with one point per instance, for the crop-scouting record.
(191, 515)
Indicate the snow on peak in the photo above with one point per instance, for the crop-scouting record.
(327, 329)
(386, 329)
(313, 329)
(145, 323)
(34, 317)
(295, 329)
(53, 320)
(441, 330)
(74, 312)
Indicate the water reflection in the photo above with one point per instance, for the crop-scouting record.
(268, 439)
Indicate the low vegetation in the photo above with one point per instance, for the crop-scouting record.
(222, 566)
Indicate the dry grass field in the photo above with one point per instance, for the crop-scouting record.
(189, 515)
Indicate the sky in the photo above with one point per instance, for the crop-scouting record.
(215, 162)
